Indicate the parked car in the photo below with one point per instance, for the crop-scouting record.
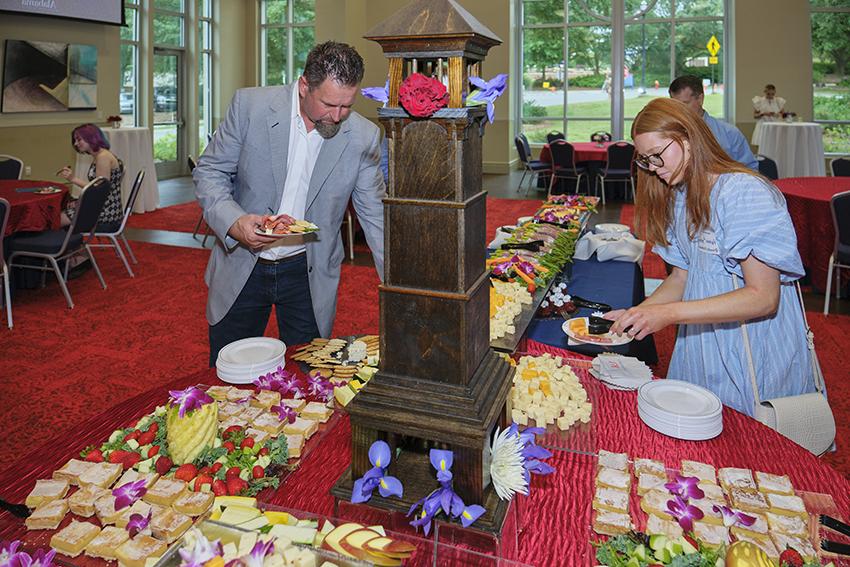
(165, 99)
(126, 102)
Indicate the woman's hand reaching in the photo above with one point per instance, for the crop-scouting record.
(640, 321)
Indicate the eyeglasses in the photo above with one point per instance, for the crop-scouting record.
(645, 162)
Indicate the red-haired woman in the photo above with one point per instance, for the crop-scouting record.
(89, 139)
(715, 221)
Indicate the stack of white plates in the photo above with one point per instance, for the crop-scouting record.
(243, 361)
(680, 409)
(611, 228)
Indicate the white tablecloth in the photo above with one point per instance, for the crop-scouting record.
(135, 148)
(796, 147)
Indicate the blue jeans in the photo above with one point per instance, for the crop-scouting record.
(284, 285)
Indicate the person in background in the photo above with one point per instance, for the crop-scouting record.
(715, 220)
(297, 150)
(89, 139)
(689, 90)
(766, 108)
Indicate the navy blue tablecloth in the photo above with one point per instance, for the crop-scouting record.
(620, 285)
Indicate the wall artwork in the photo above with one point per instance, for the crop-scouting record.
(40, 76)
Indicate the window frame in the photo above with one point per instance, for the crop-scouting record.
(206, 58)
(813, 9)
(288, 27)
(135, 43)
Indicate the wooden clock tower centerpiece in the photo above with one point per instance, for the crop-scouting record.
(439, 384)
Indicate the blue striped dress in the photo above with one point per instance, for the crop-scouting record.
(748, 217)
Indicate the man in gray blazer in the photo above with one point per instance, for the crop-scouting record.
(296, 150)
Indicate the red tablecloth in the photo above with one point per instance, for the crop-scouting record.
(31, 211)
(555, 519)
(584, 151)
(808, 204)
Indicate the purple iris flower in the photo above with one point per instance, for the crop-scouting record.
(487, 93)
(379, 456)
(127, 494)
(733, 518)
(379, 94)
(684, 513)
(189, 399)
(532, 453)
(442, 461)
(285, 412)
(138, 523)
(470, 514)
(686, 486)
(430, 507)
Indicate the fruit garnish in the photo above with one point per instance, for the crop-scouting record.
(790, 558)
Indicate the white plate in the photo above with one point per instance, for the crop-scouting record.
(235, 378)
(611, 227)
(268, 365)
(47, 191)
(680, 398)
(606, 340)
(689, 434)
(253, 350)
(287, 235)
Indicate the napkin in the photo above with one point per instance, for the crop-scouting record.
(610, 246)
(502, 236)
(620, 372)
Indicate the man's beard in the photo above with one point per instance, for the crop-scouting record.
(327, 130)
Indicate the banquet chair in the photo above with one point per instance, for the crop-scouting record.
(840, 167)
(348, 230)
(192, 165)
(6, 298)
(601, 136)
(554, 137)
(114, 230)
(11, 167)
(767, 167)
(618, 167)
(54, 246)
(564, 166)
(535, 167)
(840, 257)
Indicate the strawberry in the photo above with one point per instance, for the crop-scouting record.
(130, 460)
(247, 442)
(118, 455)
(154, 427)
(216, 467)
(202, 479)
(205, 470)
(132, 435)
(153, 451)
(95, 456)
(264, 451)
(219, 487)
(235, 485)
(790, 558)
(146, 438)
(232, 429)
(232, 472)
(163, 465)
(229, 446)
(186, 472)
(258, 471)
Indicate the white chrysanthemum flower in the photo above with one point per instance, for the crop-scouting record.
(506, 465)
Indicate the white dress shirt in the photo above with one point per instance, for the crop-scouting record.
(304, 148)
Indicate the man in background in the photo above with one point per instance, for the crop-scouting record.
(688, 89)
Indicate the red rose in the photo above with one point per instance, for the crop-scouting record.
(422, 96)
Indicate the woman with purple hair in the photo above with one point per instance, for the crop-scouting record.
(89, 139)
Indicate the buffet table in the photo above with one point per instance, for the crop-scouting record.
(796, 147)
(808, 200)
(554, 520)
(134, 146)
(32, 212)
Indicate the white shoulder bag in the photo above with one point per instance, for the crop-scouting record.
(805, 419)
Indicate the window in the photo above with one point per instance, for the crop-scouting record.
(168, 22)
(569, 53)
(128, 101)
(205, 65)
(287, 35)
(831, 72)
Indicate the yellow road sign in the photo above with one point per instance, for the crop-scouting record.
(712, 60)
(713, 46)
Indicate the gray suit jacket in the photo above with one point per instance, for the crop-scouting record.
(243, 170)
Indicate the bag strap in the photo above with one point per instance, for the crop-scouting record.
(817, 374)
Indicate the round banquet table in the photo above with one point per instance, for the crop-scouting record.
(584, 151)
(554, 520)
(808, 201)
(796, 147)
(30, 211)
(135, 148)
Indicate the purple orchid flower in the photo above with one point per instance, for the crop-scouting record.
(138, 523)
(379, 94)
(42, 558)
(470, 514)
(189, 399)
(127, 494)
(502, 268)
(525, 267)
(319, 387)
(379, 456)
(8, 549)
(201, 552)
(267, 381)
(487, 93)
(686, 486)
(258, 554)
(684, 513)
(285, 412)
(733, 518)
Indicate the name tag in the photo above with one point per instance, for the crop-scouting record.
(707, 242)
